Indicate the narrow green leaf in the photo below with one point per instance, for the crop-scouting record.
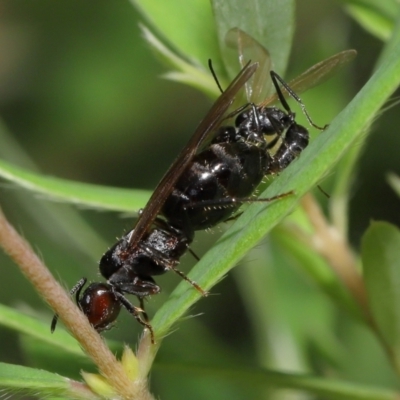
(39, 382)
(375, 24)
(22, 323)
(96, 196)
(60, 222)
(40, 330)
(15, 376)
(376, 17)
(185, 72)
(381, 262)
(170, 18)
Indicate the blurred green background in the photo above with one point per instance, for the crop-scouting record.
(81, 96)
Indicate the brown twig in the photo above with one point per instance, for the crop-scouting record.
(37, 273)
(329, 242)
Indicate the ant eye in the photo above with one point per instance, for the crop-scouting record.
(243, 117)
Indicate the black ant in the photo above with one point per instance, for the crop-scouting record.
(216, 172)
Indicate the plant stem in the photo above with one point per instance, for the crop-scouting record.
(38, 274)
(329, 242)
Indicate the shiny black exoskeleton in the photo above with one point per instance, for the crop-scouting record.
(295, 141)
(271, 121)
(131, 271)
(223, 176)
(211, 187)
(155, 245)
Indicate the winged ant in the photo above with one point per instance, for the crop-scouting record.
(215, 173)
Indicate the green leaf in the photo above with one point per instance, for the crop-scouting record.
(15, 377)
(376, 17)
(269, 22)
(185, 72)
(170, 18)
(381, 262)
(96, 196)
(33, 327)
(263, 20)
(60, 222)
(60, 340)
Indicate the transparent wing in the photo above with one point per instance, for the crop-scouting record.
(249, 49)
(315, 75)
(207, 127)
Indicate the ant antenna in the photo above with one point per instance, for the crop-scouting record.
(275, 78)
(214, 75)
(323, 192)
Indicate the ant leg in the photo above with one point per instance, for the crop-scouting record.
(135, 312)
(75, 290)
(168, 265)
(323, 192)
(275, 78)
(165, 262)
(210, 66)
(234, 217)
(162, 224)
(235, 201)
(256, 116)
(54, 323)
(193, 254)
(144, 313)
(203, 292)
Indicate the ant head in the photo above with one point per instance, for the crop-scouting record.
(100, 305)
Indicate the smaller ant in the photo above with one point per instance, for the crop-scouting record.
(101, 304)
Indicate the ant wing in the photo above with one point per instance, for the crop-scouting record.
(207, 126)
(259, 86)
(315, 75)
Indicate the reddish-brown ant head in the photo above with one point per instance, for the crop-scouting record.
(100, 305)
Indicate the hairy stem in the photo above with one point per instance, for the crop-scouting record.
(41, 278)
